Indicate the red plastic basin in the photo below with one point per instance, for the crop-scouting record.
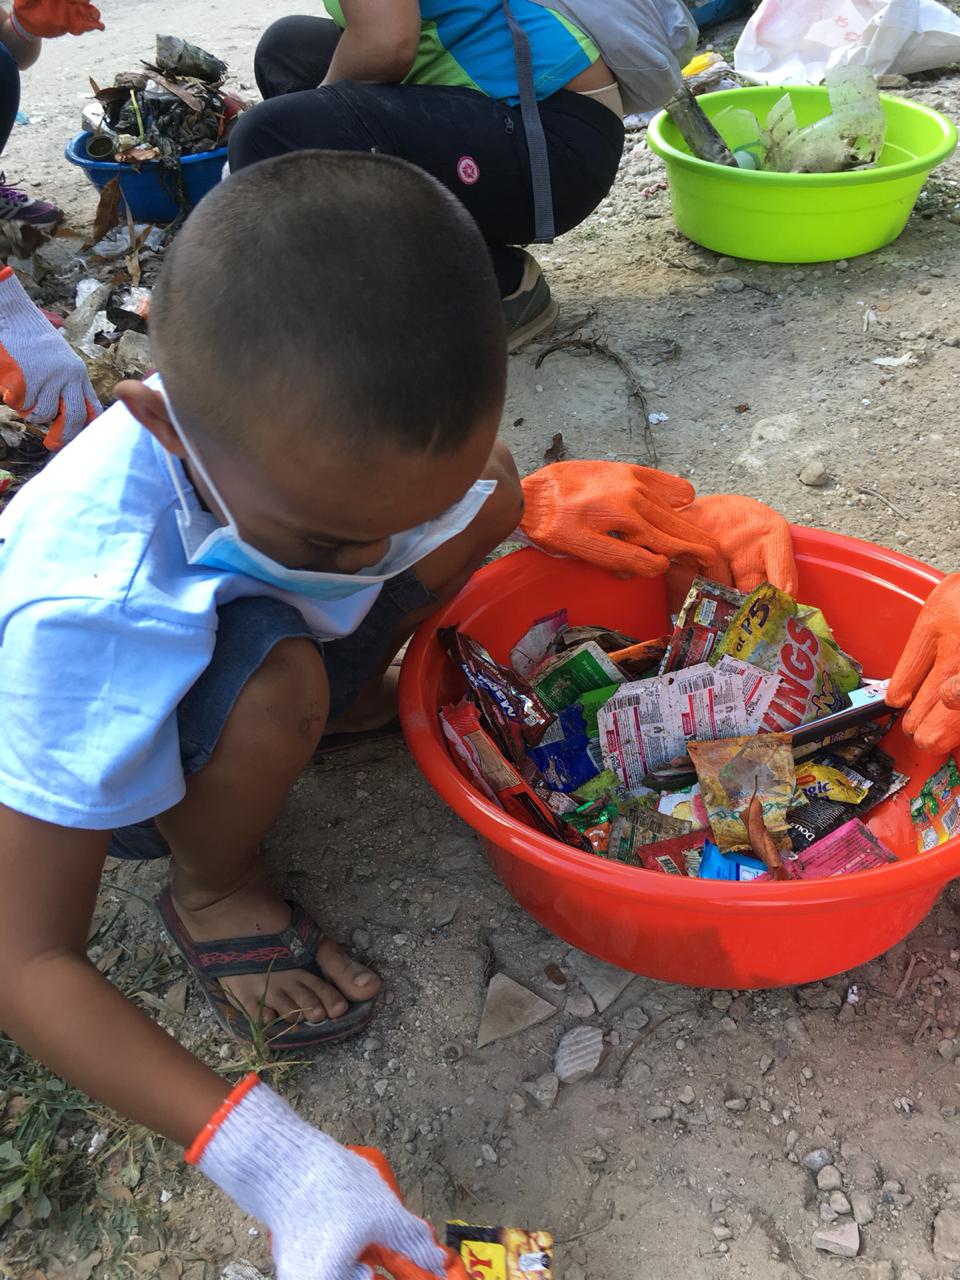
(695, 932)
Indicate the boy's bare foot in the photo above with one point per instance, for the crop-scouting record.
(254, 909)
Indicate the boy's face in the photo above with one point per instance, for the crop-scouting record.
(311, 507)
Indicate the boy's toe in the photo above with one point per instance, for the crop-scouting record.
(353, 979)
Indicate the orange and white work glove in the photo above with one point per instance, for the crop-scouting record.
(51, 18)
(755, 543)
(615, 515)
(41, 376)
(927, 677)
(331, 1214)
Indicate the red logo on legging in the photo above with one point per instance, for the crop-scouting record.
(468, 171)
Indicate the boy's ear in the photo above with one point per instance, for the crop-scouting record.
(150, 409)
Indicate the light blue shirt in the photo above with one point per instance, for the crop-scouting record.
(104, 627)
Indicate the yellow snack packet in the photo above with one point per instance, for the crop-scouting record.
(831, 782)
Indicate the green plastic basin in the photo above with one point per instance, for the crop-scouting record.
(801, 217)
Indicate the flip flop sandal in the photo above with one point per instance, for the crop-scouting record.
(294, 948)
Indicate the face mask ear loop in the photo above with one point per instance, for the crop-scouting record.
(201, 469)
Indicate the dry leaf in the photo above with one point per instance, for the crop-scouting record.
(556, 450)
(108, 211)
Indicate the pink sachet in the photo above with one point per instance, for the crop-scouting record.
(852, 847)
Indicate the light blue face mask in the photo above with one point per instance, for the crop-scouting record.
(214, 545)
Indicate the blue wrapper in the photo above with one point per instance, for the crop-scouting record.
(715, 865)
(563, 755)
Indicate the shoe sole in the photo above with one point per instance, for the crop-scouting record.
(534, 326)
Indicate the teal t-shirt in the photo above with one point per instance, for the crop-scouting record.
(468, 43)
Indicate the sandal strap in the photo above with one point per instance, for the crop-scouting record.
(293, 948)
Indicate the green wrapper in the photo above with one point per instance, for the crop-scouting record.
(576, 672)
(592, 702)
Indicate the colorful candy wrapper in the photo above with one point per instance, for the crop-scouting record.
(731, 771)
(607, 639)
(562, 755)
(594, 822)
(687, 805)
(818, 818)
(852, 847)
(703, 618)
(502, 1253)
(935, 813)
(815, 677)
(830, 779)
(606, 786)
(512, 709)
(674, 855)
(648, 723)
(482, 763)
(575, 672)
(538, 643)
(639, 660)
(715, 865)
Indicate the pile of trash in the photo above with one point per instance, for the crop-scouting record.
(174, 107)
(743, 745)
(850, 137)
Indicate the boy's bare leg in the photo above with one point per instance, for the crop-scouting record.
(215, 832)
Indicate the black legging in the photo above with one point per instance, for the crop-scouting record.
(471, 143)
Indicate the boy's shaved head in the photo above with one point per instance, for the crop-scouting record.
(338, 293)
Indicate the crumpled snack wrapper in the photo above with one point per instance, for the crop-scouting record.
(731, 771)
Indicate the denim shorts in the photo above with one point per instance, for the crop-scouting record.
(247, 630)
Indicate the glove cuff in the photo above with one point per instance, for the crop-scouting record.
(17, 310)
(20, 29)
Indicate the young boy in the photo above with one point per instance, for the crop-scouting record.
(319, 463)
(329, 334)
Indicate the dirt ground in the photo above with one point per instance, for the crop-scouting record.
(687, 1159)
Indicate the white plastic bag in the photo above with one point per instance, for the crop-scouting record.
(797, 41)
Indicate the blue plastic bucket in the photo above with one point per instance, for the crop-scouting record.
(147, 188)
(708, 13)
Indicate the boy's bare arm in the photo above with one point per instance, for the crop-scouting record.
(60, 1009)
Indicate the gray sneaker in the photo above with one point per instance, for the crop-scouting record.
(531, 309)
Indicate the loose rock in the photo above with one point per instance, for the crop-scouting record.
(578, 1054)
(817, 1159)
(603, 982)
(842, 1239)
(722, 1232)
(686, 1096)
(862, 1208)
(656, 1112)
(839, 1202)
(509, 1009)
(443, 910)
(814, 475)
(635, 1018)
(544, 1090)
(829, 1179)
(580, 1007)
(946, 1235)
(736, 1104)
